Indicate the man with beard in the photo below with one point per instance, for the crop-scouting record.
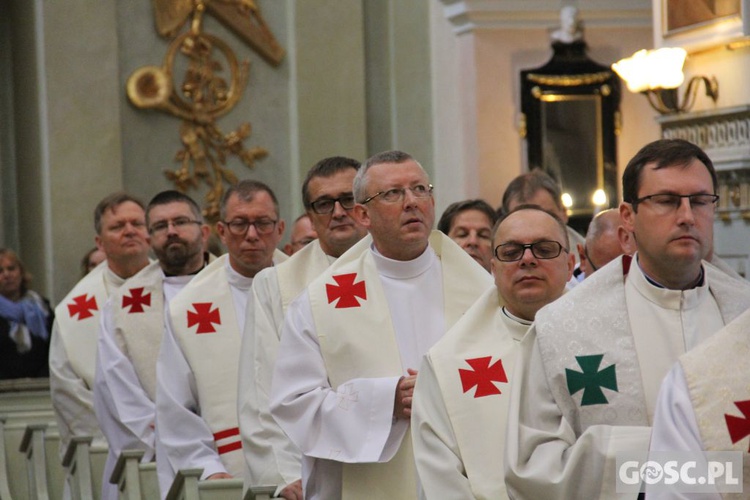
(196, 390)
(270, 456)
(132, 326)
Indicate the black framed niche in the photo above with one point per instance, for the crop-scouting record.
(571, 121)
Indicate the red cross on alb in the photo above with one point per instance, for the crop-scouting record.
(739, 428)
(82, 307)
(482, 376)
(136, 300)
(346, 291)
(204, 317)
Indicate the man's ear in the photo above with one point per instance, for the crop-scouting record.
(362, 215)
(581, 253)
(627, 216)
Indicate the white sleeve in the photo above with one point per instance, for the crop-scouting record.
(544, 456)
(185, 438)
(352, 423)
(124, 410)
(72, 398)
(270, 457)
(675, 427)
(439, 464)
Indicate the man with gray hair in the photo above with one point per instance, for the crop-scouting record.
(196, 388)
(351, 342)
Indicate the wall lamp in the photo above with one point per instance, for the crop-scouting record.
(658, 74)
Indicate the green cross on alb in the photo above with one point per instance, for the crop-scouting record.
(591, 380)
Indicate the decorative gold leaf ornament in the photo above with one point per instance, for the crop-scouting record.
(206, 92)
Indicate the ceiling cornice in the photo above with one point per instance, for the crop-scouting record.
(469, 15)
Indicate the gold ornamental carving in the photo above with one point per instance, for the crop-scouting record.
(211, 83)
(570, 80)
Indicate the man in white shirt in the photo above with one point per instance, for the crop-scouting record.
(462, 393)
(350, 345)
(132, 326)
(196, 393)
(590, 367)
(271, 458)
(120, 225)
(303, 233)
(606, 239)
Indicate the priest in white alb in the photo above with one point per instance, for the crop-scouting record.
(704, 403)
(132, 326)
(463, 389)
(271, 458)
(120, 224)
(196, 370)
(590, 367)
(352, 342)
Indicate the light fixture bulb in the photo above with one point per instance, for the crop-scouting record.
(599, 198)
(567, 200)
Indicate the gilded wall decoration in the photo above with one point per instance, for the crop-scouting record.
(211, 83)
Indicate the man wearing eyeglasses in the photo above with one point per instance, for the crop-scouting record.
(462, 393)
(121, 234)
(352, 341)
(196, 388)
(303, 233)
(132, 327)
(270, 457)
(591, 365)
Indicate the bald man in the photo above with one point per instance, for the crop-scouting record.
(606, 239)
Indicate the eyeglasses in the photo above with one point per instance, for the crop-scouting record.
(326, 205)
(511, 252)
(179, 223)
(667, 203)
(239, 227)
(397, 194)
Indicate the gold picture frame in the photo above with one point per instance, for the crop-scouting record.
(700, 24)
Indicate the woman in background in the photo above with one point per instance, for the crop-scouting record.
(25, 322)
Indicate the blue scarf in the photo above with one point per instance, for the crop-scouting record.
(27, 311)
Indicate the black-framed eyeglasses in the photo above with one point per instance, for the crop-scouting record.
(666, 203)
(395, 195)
(511, 252)
(324, 206)
(179, 223)
(239, 227)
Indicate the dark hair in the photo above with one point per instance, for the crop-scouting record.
(560, 223)
(85, 261)
(664, 153)
(111, 202)
(446, 220)
(327, 167)
(525, 186)
(385, 157)
(246, 191)
(25, 276)
(172, 196)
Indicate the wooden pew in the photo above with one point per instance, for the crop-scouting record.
(188, 486)
(136, 481)
(46, 476)
(85, 466)
(22, 402)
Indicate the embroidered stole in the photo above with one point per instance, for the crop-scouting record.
(357, 340)
(591, 341)
(297, 272)
(77, 318)
(205, 326)
(473, 364)
(719, 388)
